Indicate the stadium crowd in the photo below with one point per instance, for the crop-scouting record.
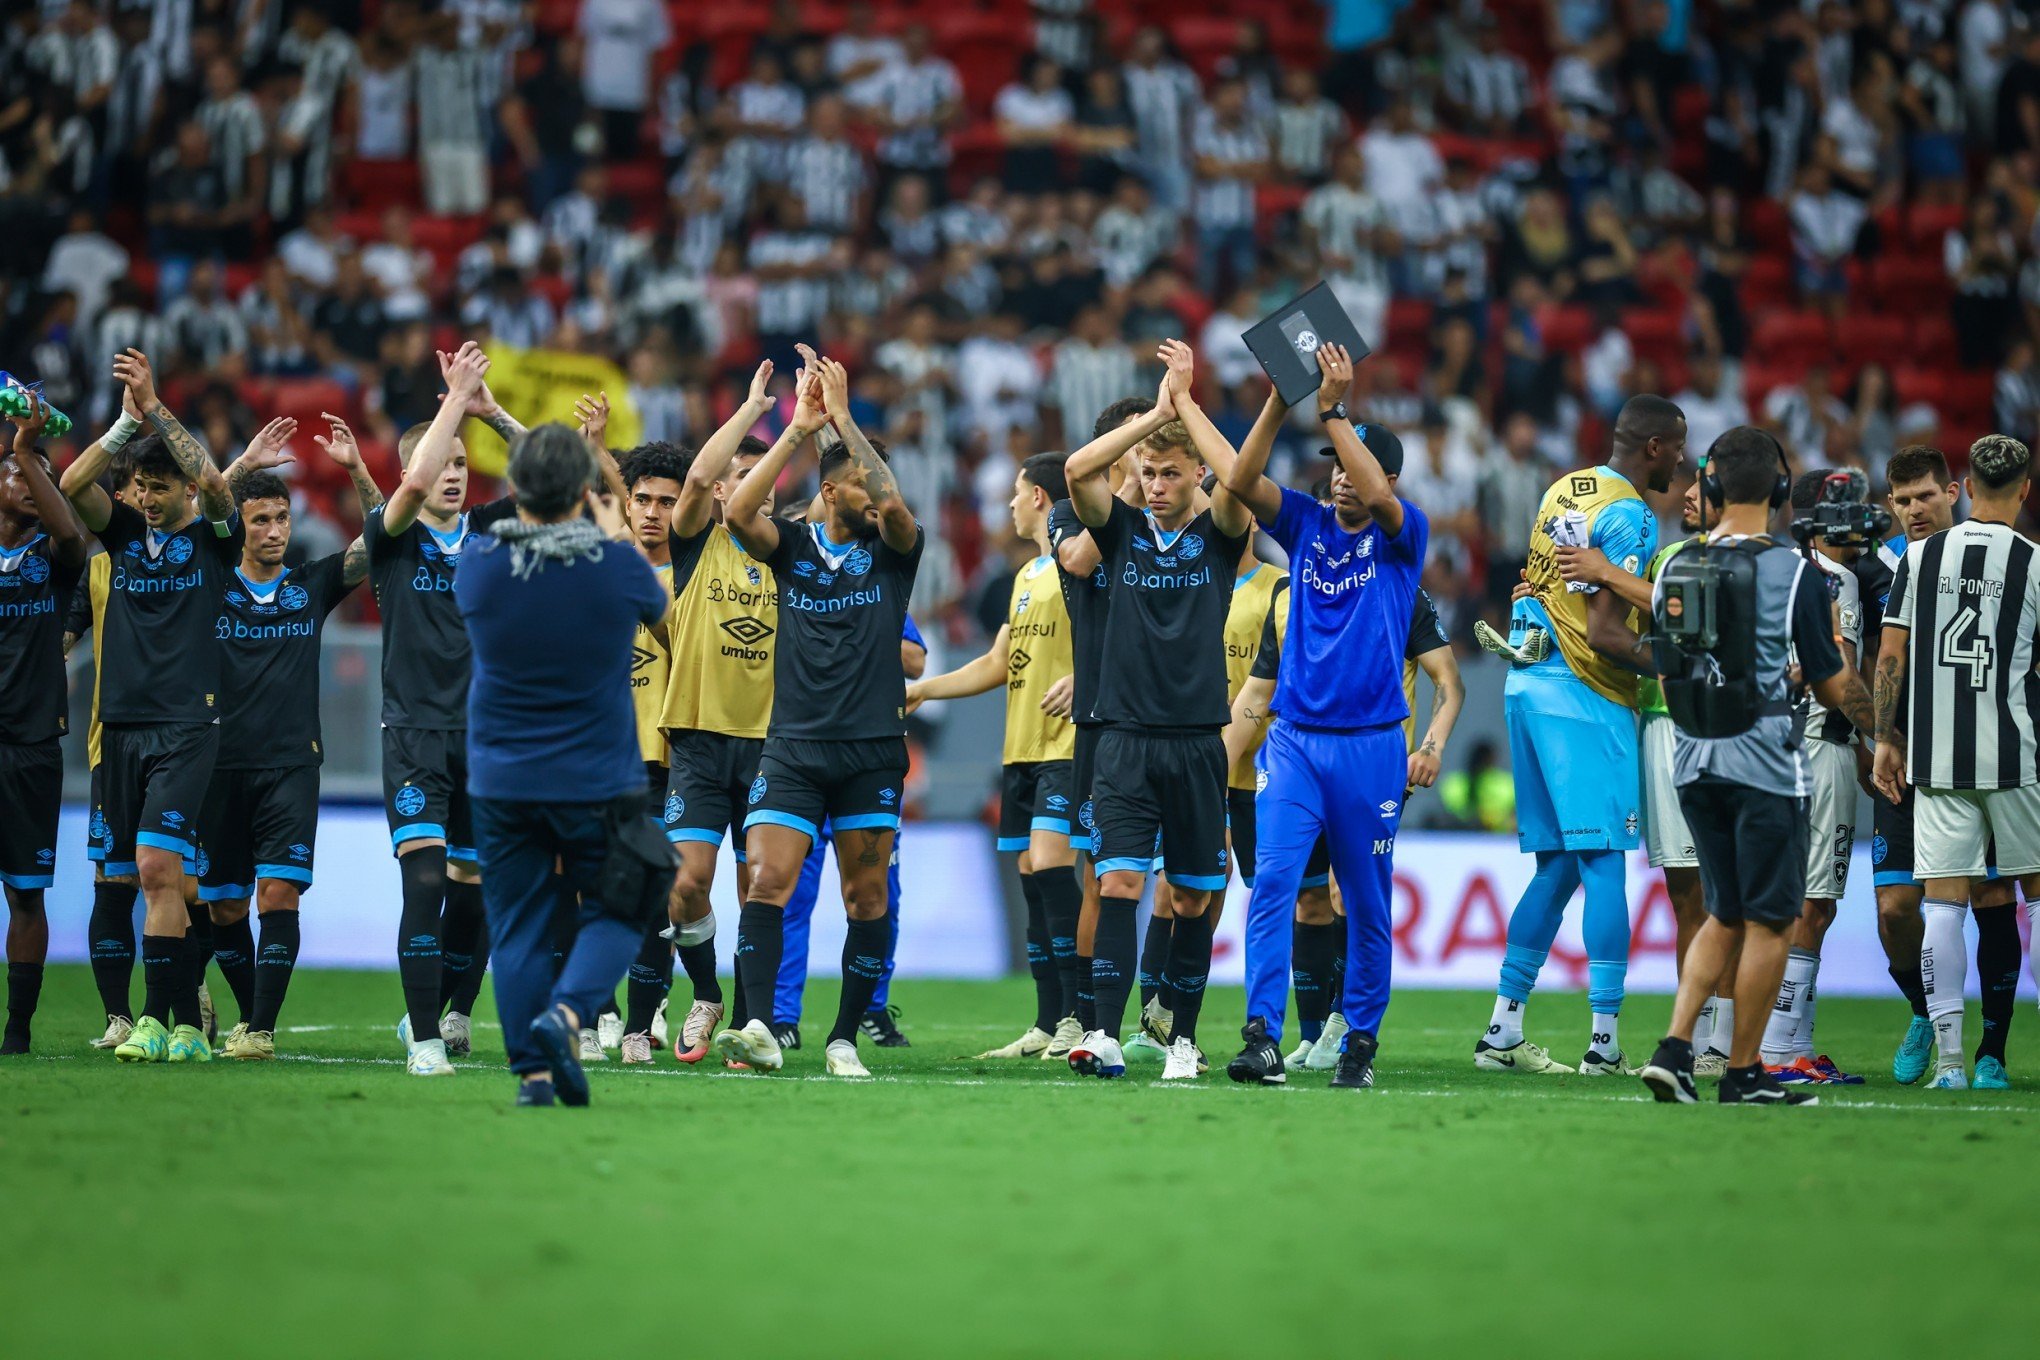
(1818, 215)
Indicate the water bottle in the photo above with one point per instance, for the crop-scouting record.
(15, 403)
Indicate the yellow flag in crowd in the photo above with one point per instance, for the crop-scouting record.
(537, 385)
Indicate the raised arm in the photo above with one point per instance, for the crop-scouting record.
(465, 376)
(1370, 483)
(697, 493)
(1228, 511)
(744, 512)
(67, 534)
(481, 404)
(1250, 481)
(215, 501)
(591, 415)
(1088, 468)
(266, 450)
(80, 481)
(340, 445)
(895, 521)
(975, 676)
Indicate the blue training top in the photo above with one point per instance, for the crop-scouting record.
(1351, 597)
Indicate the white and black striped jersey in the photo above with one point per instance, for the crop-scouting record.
(234, 127)
(1844, 594)
(1970, 597)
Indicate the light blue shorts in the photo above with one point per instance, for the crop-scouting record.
(1574, 752)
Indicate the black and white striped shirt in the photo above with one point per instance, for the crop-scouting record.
(1970, 598)
(1305, 135)
(1161, 97)
(790, 305)
(1225, 200)
(827, 176)
(450, 89)
(911, 94)
(234, 127)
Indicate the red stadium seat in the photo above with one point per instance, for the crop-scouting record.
(1769, 228)
(1801, 336)
(1203, 39)
(1969, 396)
(1910, 285)
(1921, 384)
(372, 186)
(1566, 330)
(1760, 379)
(1767, 280)
(1874, 338)
(1657, 334)
(1928, 224)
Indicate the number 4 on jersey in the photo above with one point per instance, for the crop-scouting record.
(1964, 644)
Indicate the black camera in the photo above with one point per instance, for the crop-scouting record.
(1843, 517)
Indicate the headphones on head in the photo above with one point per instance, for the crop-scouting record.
(1710, 485)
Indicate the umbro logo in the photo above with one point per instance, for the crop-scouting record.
(1388, 808)
(1017, 660)
(640, 658)
(747, 630)
(300, 851)
(173, 819)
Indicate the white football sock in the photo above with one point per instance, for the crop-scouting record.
(1944, 967)
(1605, 1038)
(1703, 1026)
(1788, 1013)
(1805, 1047)
(1722, 1040)
(1505, 1026)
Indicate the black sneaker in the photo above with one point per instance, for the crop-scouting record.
(879, 1027)
(534, 1093)
(788, 1035)
(559, 1041)
(1669, 1074)
(1260, 1062)
(1755, 1086)
(1355, 1071)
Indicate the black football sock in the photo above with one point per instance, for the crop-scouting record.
(463, 946)
(761, 938)
(1189, 969)
(234, 951)
(699, 961)
(1912, 986)
(418, 951)
(1310, 972)
(1040, 963)
(1154, 958)
(1061, 900)
(163, 971)
(1112, 961)
(1997, 972)
(112, 941)
(647, 983)
(274, 963)
(24, 989)
(863, 964)
(195, 953)
(1087, 991)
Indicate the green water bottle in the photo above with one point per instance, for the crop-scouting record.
(15, 403)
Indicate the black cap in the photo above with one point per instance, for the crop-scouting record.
(1381, 442)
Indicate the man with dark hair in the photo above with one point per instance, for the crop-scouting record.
(42, 554)
(159, 697)
(1161, 695)
(836, 748)
(1958, 652)
(262, 808)
(414, 545)
(1743, 794)
(1029, 655)
(1570, 698)
(720, 636)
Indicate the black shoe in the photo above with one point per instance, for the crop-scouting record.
(14, 1042)
(1669, 1074)
(788, 1035)
(560, 1041)
(879, 1027)
(1260, 1062)
(1356, 1063)
(534, 1093)
(1755, 1086)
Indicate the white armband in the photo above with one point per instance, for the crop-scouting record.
(123, 430)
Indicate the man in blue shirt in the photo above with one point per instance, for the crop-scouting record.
(1335, 762)
(552, 601)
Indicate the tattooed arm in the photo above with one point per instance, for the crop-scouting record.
(482, 404)
(215, 500)
(895, 521)
(341, 446)
(1888, 767)
(1448, 696)
(1251, 715)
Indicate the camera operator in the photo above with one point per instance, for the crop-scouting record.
(552, 601)
(1729, 617)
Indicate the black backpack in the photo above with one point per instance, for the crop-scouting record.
(1704, 637)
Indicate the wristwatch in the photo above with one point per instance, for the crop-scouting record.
(1336, 411)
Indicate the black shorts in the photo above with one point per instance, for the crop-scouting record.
(1083, 773)
(1752, 850)
(706, 784)
(1240, 825)
(1034, 795)
(425, 794)
(1162, 791)
(852, 784)
(258, 824)
(31, 797)
(153, 778)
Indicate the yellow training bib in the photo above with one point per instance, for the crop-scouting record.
(1565, 518)
(1246, 619)
(1038, 653)
(720, 635)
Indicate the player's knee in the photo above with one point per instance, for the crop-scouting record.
(690, 891)
(273, 894)
(1897, 910)
(864, 899)
(1314, 906)
(228, 913)
(1123, 883)
(25, 903)
(1819, 914)
(160, 871)
(463, 871)
(772, 882)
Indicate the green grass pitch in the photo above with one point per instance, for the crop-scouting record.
(328, 1205)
